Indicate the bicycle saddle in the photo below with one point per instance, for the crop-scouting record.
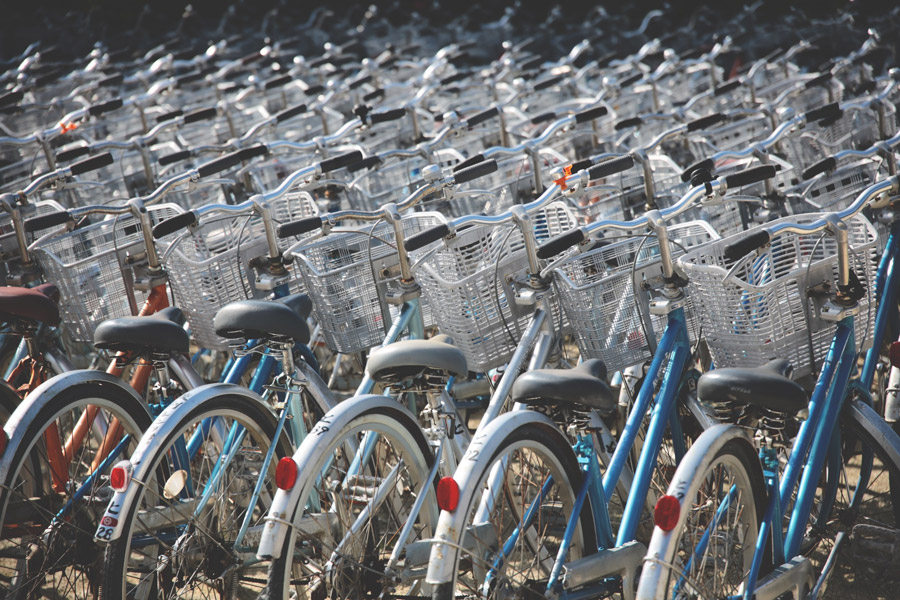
(585, 385)
(409, 359)
(160, 333)
(282, 320)
(768, 386)
(35, 304)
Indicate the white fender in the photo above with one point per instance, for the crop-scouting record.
(476, 460)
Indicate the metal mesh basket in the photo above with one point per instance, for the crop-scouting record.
(209, 266)
(622, 196)
(735, 135)
(836, 190)
(9, 249)
(347, 275)
(90, 266)
(471, 278)
(767, 304)
(597, 290)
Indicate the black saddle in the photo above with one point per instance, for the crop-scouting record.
(281, 320)
(585, 386)
(409, 359)
(768, 386)
(159, 333)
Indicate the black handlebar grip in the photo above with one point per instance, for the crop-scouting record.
(420, 240)
(704, 122)
(531, 63)
(629, 80)
(369, 161)
(695, 52)
(105, 107)
(111, 81)
(611, 167)
(290, 113)
(277, 82)
(388, 115)
(748, 176)
(625, 123)
(173, 224)
(174, 158)
(821, 80)
(458, 76)
(747, 244)
(220, 164)
(707, 164)
(254, 151)
(91, 164)
(590, 114)
(475, 171)
(169, 115)
(828, 164)
(250, 58)
(189, 78)
(546, 83)
(314, 90)
(482, 116)
(299, 227)
(547, 116)
(580, 165)
(318, 62)
(829, 111)
(339, 162)
(48, 220)
(11, 97)
(472, 160)
(358, 82)
(560, 243)
(73, 153)
(201, 114)
(727, 87)
(379, 93)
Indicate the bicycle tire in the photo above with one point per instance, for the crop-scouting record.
(525, 445)
(360, 570)
(187, 554)
(861, 430)
(62, 558)
(704, 489)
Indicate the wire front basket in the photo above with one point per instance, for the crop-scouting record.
(767, 304)
(347, 276)
(210, 265)
(598, 291)
(92, 267)
(471, 277)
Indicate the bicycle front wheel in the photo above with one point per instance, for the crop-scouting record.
(192, 529)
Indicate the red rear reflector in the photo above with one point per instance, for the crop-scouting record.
(665, 514)
(4, 440)
(447, 494)
(286, 473)
(120, 476)
(895, 354)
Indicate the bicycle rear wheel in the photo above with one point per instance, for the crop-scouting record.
(709, 552)
(534, 472)
(171, 546)
(50, 506)
(367, 507)
(866, 515)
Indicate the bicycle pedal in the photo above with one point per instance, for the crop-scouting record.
(877, 548)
